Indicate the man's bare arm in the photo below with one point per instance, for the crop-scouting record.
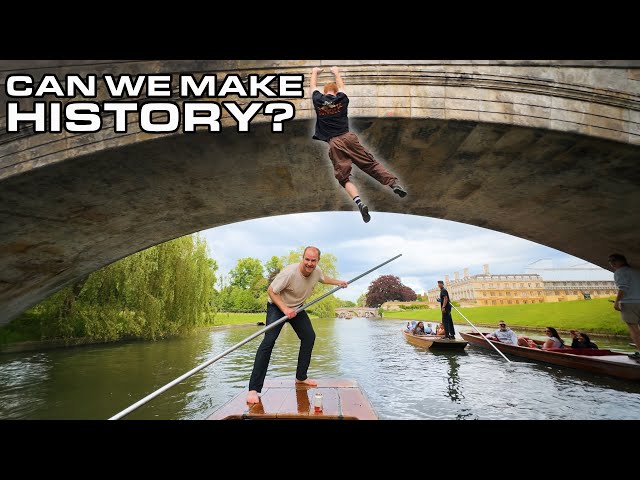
(334, 281)
(619, 297)
(313, 83)
(339, 80)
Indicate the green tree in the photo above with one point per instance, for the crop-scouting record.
(246, 273)
(345, 303)
(247, 288)
(273, 267)
(243, 301)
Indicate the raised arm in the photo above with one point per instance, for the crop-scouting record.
(313, 83)
(339, 80)
(334, 281)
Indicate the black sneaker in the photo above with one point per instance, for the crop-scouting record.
(364, 211)
(398, 190)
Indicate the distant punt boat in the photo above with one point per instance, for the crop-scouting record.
(342, 399)
(433, 341)
(595, 360)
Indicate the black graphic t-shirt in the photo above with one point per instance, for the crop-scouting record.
(331, 113)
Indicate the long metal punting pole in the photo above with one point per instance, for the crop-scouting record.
(482, 335)
(139, 403)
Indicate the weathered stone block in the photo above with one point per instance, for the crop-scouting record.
(427, 102)
(430, 91)
(427, 112)
(394, 102)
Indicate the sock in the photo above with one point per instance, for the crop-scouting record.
(357, 200)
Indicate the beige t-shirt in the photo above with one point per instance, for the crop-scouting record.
(292, 286)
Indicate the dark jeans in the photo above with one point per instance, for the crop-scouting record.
(301, 324)
(447, 321)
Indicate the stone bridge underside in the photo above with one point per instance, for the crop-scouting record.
(546, 151)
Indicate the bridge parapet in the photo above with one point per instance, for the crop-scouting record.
(593, 98)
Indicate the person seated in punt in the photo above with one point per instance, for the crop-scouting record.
(554, 340)
(428, 330)
(504, 334)
(419, 330)
(408, 327)
(582, 340)
(440, 329)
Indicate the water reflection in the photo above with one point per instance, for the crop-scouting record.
(402, 381)
(20, 373)
(453, 387)
(302, 400)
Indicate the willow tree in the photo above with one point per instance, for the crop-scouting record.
(161, 291)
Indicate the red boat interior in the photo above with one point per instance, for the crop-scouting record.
(589, 352)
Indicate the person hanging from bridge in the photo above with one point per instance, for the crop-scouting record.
(332, 126)
(287, 292)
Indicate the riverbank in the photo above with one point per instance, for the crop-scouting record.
(24, 336)
(595, 317)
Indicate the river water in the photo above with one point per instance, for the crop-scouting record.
(402, 381)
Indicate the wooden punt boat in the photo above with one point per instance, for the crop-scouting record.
(342, 399)
(433, 341)
(603, 361)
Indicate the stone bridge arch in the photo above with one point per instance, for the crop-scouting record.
(364, 312)
(546, 151)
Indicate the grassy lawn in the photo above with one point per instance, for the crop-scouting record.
(225, 318)
(591, 316)
(229, 318)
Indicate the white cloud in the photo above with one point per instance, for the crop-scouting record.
(430, 248)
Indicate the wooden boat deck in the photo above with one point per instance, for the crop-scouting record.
(434, 341)
(343, 399)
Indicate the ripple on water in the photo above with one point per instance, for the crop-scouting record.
(402, 381)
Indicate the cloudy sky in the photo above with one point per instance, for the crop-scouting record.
(430, 248)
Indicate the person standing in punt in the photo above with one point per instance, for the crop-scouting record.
(447, 320)
(288, 291)
(627, 301)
